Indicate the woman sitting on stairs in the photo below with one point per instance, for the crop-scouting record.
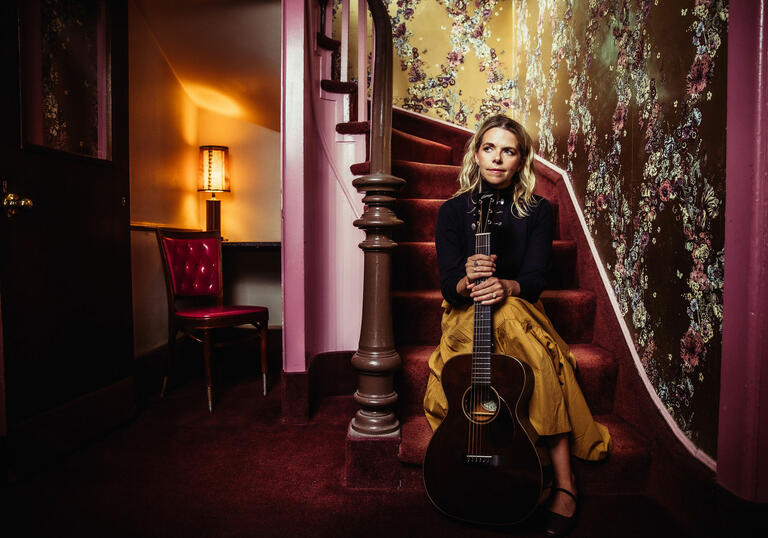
(500, 157)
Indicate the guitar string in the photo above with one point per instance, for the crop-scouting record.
(473, 425)
(479, 386)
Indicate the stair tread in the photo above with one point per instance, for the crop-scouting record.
(625, 469)
(366, 165)
(337, 86)
(407, 146)
(327, 43)
(416, 314)
(420, 217)
(419, 125)
(420, 139)
(426, 294)
(626, 439)
(549, 294)
(585, 354)
(353, 127)
(573, 294)
(596, 370)
(416, 164)
(556, 243)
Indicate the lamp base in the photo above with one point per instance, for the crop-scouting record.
(213, 215)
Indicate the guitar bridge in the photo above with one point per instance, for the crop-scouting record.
(478, 459)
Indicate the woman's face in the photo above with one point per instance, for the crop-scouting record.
(499, 157)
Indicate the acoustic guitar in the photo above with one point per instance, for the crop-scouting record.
(481, 465)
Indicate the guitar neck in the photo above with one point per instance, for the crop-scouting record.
(481, 346)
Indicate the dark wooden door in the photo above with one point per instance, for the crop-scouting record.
(65, 292)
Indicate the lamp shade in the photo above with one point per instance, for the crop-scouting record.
(214, 169)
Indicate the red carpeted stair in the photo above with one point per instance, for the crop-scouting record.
(427, 155)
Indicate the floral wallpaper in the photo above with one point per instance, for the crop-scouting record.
(629, 97)
(67, 83)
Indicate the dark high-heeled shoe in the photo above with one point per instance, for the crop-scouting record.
(557, 525)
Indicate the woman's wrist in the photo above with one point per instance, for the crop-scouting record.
(511, 287)
(462, 286)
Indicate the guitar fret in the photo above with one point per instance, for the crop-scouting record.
(482, 346)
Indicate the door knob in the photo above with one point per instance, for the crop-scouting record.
(13, 202)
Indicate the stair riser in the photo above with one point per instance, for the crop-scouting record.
(416, 321)
(445, 134)
(410, 385)
(596, 379)
(426, 181)
(420, 218)
(625, 472)
(572, 318)
(411, 148)
(618, 476)
(415, 266)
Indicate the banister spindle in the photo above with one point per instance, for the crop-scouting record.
(344, 75)
(362, 61)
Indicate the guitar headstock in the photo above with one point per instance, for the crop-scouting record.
(488, 211)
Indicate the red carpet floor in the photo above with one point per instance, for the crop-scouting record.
(178, 471)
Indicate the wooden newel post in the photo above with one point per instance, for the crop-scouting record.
(373, 437)
(376, 359)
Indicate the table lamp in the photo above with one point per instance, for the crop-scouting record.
(214, 177)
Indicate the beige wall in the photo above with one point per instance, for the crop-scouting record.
(163, 135)
(251, 211)
(166, 130)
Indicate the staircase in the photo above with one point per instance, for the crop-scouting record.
(427, 154)
(646, 458)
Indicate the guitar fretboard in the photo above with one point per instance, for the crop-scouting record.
(481, 347)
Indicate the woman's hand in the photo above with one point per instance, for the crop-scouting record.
(493, 290)
(477, 266)
(490, 291)
(480, 266)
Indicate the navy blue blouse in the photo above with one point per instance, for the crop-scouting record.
(523, 245)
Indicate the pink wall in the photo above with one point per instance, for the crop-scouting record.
(322, 264)
(292, 154)
(743, 425)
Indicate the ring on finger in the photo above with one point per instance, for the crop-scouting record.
(494, 294)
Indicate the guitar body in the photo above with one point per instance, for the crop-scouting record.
(481, 465)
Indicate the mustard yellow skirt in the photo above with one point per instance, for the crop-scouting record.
(523, 330)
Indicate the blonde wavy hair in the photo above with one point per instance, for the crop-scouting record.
(524, 181)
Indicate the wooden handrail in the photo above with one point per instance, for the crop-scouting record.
(381, 102)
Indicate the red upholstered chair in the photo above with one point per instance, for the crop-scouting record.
(192, 262)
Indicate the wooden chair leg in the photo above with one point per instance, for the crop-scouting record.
(169, 358)
(263, 341)
(207, 362)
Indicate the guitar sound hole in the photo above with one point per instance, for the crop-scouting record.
(481, 404)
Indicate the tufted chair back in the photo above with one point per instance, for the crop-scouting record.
(192, 262)
(194, 265)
